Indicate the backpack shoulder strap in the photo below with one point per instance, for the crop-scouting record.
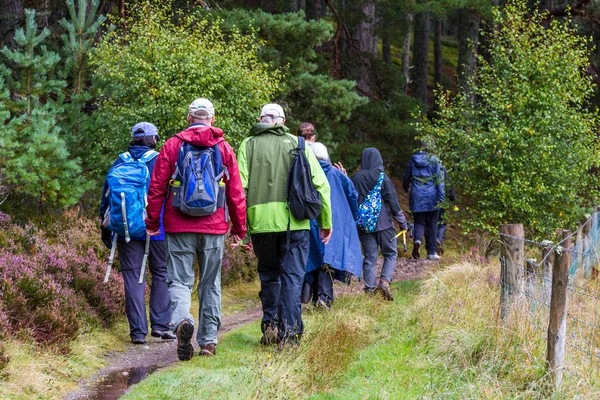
(301, 144)
(126, 156)
(379, 183)
(149, 156)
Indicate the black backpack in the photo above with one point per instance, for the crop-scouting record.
(303, 199)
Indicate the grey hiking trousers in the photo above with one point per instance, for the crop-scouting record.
(181, 250)
(371, 243)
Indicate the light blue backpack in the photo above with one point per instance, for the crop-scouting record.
(127, 193)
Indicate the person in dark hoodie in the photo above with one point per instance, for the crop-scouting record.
(189, 236)
(425, 180)
(280, 241)
(383, 236)
(131, 254)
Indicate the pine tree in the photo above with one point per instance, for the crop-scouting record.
(40, 166)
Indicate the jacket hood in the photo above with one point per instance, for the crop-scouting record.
(371, 160)
(276, 129)
(423, 159)
(325, 165)
(201, 135)
(138, 151)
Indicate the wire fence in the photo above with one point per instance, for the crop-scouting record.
(531, 297)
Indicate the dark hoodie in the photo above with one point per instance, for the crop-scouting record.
(174, 220)
(371, 166)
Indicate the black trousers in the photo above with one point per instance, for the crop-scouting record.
(426, 224)
(281, 269)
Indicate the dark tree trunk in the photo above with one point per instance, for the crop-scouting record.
(437, 53)
(386, 46)
(406, 52)
(437, 59)
(420, 57)
(468, 36)
(314, 9)
(11, 17)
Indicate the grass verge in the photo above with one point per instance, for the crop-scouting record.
(440, 339)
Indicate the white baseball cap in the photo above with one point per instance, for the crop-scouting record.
(273, 110)
(202, 108)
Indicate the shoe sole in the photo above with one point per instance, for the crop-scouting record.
(185, 351)
(206, 353)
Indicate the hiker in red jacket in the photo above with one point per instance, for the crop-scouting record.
(187, 236)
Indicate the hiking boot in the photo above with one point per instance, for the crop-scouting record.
(138, 341)
(440, 248)
(322, 305)
(166, 335)
(208, 350)
(433, 256)
(415, 252)
(369, 291)
(384, 289)
(185, 331)
(270, 336)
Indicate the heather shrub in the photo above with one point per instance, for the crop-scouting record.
(238, 265)
(51, 280)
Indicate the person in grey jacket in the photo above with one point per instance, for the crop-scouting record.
(424, 178)
(383, 236)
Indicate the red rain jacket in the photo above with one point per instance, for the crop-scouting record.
(174, 220)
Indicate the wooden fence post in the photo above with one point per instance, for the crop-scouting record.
(512, 274)
(557, 325)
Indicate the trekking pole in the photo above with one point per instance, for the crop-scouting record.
(111, 258)
(146, 251)
(403, 233)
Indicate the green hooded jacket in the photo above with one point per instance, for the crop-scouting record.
(264, 160)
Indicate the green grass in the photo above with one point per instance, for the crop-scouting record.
(380, 357)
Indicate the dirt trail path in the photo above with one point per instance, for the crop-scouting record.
(158, 353)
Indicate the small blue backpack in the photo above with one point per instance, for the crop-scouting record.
(370, 208)
(196, 184)
(127, 193)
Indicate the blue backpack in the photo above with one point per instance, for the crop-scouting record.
(127, 193)
(196, 184)
(370, 208)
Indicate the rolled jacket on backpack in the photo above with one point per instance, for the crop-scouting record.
(424, 177)
(175, 221)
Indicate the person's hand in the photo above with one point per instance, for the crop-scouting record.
(326, 235)
(106, 237)
(237, 240)
(404, 226)
(339, 166)
(247, 246)
(151, 232)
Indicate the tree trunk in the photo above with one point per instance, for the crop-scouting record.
(313, 9)
(11, 17)
(420, 57)
(437, 59)
(468, 36)
(366, 38)
(365, 33)
(437, 53)
(386, 46)
(406, 52)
